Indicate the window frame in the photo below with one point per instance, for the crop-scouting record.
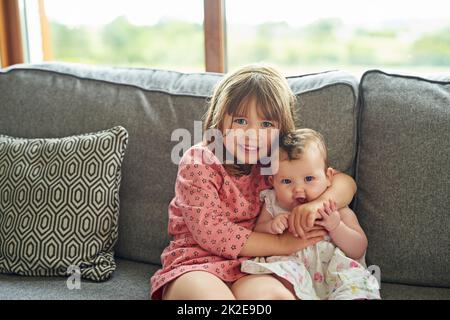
(11, 48)
(214, 30)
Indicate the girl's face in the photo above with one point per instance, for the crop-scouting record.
(251, 135)
(301, 180)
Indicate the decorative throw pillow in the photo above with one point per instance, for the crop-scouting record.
(59, 204)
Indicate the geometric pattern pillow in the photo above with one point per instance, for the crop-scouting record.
(59, 204)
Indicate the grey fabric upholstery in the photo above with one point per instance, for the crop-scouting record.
(129, 281)
(403, 177)
(327, 102)
(150, 104)
(392, 291)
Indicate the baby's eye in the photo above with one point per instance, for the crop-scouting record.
(309, 178)
(266, 124)
(240, 121)
(285, 181)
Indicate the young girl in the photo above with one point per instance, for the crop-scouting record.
(330, 269)
(216, 204)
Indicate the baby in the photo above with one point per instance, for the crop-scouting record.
(333, 268)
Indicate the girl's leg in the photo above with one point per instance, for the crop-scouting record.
(197, 285)
(287, 285)
(261, 287)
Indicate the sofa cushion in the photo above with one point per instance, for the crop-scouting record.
(328, 102)
(59, 99)
(129, 281)
(393, 291)
(59, 203)
(403, 176)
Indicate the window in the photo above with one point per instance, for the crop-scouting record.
(352, 35)
(297, 36)
(133, 33)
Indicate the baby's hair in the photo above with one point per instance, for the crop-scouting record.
(232, 95)
(295, 142)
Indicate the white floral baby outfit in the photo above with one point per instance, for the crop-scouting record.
(321, 271)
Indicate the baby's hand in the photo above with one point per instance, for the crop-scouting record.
(331, 217)
(279, 223)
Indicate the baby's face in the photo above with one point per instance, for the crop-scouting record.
(301, 180)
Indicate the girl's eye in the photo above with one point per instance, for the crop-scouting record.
(240, 121)
(267, 124)
(309, 178)
(285, 181)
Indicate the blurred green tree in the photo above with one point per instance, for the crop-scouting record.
(174, 44)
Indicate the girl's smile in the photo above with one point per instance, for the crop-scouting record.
(249, 148)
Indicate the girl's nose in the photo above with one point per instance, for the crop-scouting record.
(251, 134)
(252, 130)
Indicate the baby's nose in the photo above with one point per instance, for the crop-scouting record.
(299, 192)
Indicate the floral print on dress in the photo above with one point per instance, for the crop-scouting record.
(321, 271)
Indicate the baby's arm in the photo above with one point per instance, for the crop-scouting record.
(268, 224)
(349, 236)
(344, 230)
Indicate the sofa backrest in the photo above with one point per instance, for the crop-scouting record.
(56, 100)
(403, 176)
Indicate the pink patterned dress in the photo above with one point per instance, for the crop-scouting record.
(210, 219)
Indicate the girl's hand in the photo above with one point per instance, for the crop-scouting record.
(302, 218)
(292, 244)
(279, 223)
(330, 216)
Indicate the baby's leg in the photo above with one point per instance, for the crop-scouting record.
(197, 285)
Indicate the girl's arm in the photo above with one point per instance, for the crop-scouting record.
(264, 244)
(349, 236)
(341, 191)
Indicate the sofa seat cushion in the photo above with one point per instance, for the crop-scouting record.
(129, 281)
(392, 291)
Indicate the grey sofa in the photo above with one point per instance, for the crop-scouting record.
(391, 132)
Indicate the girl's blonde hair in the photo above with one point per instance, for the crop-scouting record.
(232, 95)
